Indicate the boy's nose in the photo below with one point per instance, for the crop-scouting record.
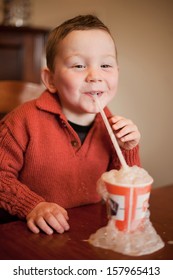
(93, 76)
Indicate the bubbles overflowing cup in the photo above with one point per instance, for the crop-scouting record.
(126, 192)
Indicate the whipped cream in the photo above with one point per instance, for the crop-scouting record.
(131, 176)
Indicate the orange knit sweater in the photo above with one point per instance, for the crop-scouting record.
(42, 159)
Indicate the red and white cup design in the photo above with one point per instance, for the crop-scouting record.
(128, 205)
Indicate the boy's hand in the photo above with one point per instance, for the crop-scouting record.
(126, 132)
(48, 217)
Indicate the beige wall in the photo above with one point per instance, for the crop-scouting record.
(144, 34)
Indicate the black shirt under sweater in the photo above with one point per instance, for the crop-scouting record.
(81, 130)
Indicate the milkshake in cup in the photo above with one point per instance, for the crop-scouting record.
(129, 230)
(127, 195)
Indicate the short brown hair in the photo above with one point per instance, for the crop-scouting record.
(81, 22)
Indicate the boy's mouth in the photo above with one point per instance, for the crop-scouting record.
(91, 93)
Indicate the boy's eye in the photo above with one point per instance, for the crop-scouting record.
(79, 66)
(105, 66)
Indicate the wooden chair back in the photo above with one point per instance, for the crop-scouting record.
(14, 93)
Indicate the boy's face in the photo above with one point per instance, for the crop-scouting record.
(85, 64)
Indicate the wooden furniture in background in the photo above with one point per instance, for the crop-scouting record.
(14, 93)
(21, 53)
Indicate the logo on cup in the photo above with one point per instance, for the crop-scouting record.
(127, 205)
(113, 207)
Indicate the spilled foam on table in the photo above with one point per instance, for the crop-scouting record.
(141, 242)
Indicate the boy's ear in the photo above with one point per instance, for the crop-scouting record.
(47, 78)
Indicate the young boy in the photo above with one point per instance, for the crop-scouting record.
(55, 148)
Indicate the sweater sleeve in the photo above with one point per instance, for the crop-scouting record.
(15, 197)
(132, 157)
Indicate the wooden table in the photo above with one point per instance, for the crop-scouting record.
(18, 243)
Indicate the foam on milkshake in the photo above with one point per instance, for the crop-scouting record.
(132, 176)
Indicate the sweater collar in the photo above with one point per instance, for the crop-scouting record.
(49, 102)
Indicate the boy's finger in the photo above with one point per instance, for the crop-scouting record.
(65, 214)
(126, 130)
(115, 119)
(41, 223)
(120, 124)
(55, 223)
(63, 222)
(32, 226)
(129, 137)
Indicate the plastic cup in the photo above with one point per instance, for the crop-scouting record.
(127, 204)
